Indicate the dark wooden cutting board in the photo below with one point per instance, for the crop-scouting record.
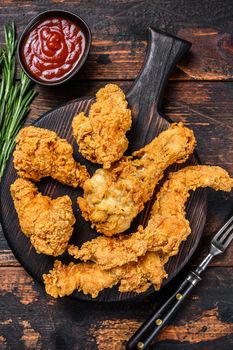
(144, 98)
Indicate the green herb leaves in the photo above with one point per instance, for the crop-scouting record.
(15, 97)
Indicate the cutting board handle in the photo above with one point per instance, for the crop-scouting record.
(144, 97)
(163, 53)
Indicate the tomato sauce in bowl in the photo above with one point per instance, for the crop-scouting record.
(53, 48)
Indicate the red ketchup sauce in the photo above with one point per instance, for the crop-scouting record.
(53, 48)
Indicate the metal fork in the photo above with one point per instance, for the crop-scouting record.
(158, 320)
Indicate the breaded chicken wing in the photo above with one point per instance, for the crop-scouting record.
(91, 279)
(46, 222)
(167, 226)
(40, 153)
(114, 197)
(101, 135)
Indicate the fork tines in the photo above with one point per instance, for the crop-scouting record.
(225, 235)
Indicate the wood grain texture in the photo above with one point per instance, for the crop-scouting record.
(44, 323)
(119, 33)
(210, 101)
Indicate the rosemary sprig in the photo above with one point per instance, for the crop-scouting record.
(15, 98)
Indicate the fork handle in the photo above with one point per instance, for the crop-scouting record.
(158, 320)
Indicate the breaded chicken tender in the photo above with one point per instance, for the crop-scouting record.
(113, 198)
(91, 279)
(152, 272)
(48, 223)
(40, 153)
(167, 226)
(101, 136)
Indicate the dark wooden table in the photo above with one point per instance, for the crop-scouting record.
(200, 93)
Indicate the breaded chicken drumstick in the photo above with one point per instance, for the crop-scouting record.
(114, 197)
(40, 153)
(101, 136)
(48, 223)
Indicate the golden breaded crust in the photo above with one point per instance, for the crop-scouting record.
(101, 136)
(47, 223)
(91, 279)
(40, 153)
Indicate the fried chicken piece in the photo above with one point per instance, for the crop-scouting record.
(167, 226)
(91, 279)
(46, 222)
(114, 197)
(151, 268)
(87, 277)
(101, 135)
(40, 153)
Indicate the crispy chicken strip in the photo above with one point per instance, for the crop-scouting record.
(167, 226)
(113, 198)
(91, 279)
(151, 266)
(40, 153)
(87, 277)
(46, 222)
(101, 136)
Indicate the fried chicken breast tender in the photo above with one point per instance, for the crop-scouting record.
(48, 223)
(101, 136)
(152, 272)
(113, 198)
(167, 225)
(40, 153)
(91, 279)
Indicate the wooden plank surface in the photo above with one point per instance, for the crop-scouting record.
(119, 33)
(201, 95)
(37, 321)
